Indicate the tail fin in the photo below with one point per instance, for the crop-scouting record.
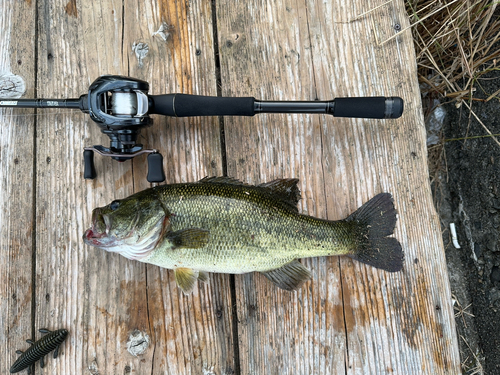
(377, 219)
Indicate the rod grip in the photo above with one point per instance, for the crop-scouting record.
(183, 105)
(369, 107)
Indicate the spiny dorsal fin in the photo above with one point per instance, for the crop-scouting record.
(193, 238)
(290, 277)
(285, 188)
(222, 180)
(185, 279)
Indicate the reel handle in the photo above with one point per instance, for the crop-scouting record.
(89, 172)
(155, 168)
(183, 105)
(155, 162)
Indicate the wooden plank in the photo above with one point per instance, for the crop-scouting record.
(104, 298)
(350, 318)
(193, 334)
(266, 52)
(77, 288)
(16, 174)
(16, 168)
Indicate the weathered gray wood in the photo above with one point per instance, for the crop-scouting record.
(104, 298)
(302, 332)
(16, 180)
(350, 318)
(193, 334)
(78, 288)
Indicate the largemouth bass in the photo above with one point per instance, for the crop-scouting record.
(219, 224)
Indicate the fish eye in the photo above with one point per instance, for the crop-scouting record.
(114, 205)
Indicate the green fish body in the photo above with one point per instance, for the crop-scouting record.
(225, 226)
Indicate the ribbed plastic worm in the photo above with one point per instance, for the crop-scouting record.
(51, 341)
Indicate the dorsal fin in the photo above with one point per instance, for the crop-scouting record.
(222, 180)
(286, 189)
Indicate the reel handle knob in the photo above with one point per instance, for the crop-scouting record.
(89, 172)
(155, 168)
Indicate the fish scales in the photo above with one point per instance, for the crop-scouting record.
(250, 230)
(222, 225)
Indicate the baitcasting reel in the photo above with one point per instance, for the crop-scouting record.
(121, 106)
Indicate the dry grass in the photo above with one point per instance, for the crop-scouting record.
(456, 42)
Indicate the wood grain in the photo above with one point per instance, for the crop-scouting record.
(117, 297)
(350, 318)
(16, 183)
(193, 334)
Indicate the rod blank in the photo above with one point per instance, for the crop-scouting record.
(40, 103)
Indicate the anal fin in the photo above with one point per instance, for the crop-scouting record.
(203, 276)
(185, 279)
(290, 277)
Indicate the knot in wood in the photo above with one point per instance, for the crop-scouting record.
(138, 342)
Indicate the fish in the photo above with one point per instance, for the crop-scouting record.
(222, 225)
(39, 349)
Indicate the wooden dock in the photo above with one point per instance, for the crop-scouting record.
(349, 319)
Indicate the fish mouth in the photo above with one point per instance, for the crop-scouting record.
(101, 235)
(98, 233)
(131, 241)
(93, 237)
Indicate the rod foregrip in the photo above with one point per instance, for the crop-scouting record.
(183, 105)
(368, 107)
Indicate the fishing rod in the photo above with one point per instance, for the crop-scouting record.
(121, 106)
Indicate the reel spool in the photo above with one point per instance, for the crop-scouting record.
(124, 103)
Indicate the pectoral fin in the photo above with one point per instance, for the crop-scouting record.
(185, 279)
(290, 277)
(192, 238)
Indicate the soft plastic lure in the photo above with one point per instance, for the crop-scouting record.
(39, 349)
